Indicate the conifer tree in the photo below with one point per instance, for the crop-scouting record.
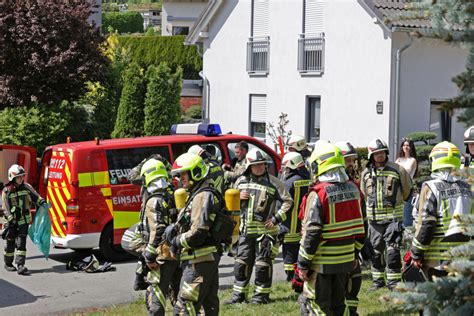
(162, 107)
(130, 115)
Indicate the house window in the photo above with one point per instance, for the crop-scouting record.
(258, 46)
(313, 118)
(440, 121)
(180, 30)
(258, 113)
(311, 41)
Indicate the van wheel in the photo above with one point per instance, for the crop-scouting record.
(107, 248)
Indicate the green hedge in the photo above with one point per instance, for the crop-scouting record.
(122, 22)
(152, 50)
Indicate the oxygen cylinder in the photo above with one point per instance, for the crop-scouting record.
(232, 205)
(180, 198)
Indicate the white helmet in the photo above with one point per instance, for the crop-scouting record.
(377, 145)
(15, 171)
(347, 149)
(297, 142)
(469, 135)
(195, 149)
(292, 160)
(255, 156)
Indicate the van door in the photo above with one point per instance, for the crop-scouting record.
(24, 156)
(126, 198)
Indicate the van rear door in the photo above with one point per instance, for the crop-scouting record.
(24, 156)
(58, 189)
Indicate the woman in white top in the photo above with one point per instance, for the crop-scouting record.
(407, 159)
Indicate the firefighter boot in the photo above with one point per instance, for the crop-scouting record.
(261, 299)
(10, 267)
(140, 275)
(236, 299)
(22, 270)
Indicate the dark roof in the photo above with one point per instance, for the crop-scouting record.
(391, 11)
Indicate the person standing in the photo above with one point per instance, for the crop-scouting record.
(442, 201)
(191, 238)
(215, 174)
(18, 198)
(407, 159)
(333, 233)
(297, 180)
(234, 171)
(385, 186)
(469, 142)
(298, 144)
(259, 194)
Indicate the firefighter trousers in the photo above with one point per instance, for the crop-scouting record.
(386, 255)
(354, 283)
(158, 284)
(248, 255)
(290, 256)
(17, 243)
(199, 286)
(324, 294)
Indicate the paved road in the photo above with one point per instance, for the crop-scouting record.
(51, 289)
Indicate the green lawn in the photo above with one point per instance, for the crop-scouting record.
(284, 303)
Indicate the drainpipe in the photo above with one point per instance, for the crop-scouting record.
(205, 88)
(397, 91)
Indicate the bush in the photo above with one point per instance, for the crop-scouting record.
(422, 137)
(153, 50)
(192, 115)
(122, 22)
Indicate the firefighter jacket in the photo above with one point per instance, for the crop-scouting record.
(438, 229)
(154, 218)
(265, 191)
(385, 191)
(297, 183)
(238, 169)
(195, 221)
(216, 175)
(333, 228)
(17, 202)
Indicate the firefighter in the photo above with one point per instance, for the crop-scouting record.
(18, 198)
(442, 200)
(232, 172)
(259, 193)
(191, 238)
(354, 278)
(298, 143)
(385, 186)
(333, 233)
(216, 174)
(297, 180)
(469, 142)
(161, 265)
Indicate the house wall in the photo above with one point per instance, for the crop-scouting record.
(357, 71)
(427, 69)
(188, 10)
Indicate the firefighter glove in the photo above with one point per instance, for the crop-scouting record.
(170, 234)
(266, 245)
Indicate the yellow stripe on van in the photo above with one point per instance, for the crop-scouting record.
(68, 173)
(66, 191)
(58, 210)
(125, 219)
(106, 191)
(88, 179)
(110, 206)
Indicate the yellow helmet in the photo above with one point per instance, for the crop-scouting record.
(325, 157)
(445, 155)
(193, 164)
(153, 169)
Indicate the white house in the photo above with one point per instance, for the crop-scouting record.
(330, 64)
(179, 16)
(96, 14)
(151, 18)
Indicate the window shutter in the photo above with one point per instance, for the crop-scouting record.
(260, 18)
(313, 20)
(258, 108)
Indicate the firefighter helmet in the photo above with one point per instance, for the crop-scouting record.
(346, 149)
(193, 164)
(195, 149)
(292, 160)
(15, 171)
(469, 135)
(377, 145)
(297, 142)
(255, 156)
(325, 157)
(153, 169)
(445, 155)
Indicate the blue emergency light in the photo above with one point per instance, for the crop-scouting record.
(196, 129)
